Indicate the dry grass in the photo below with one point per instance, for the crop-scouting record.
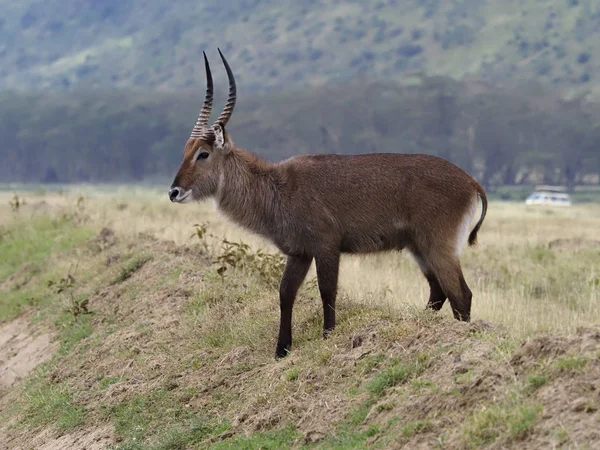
(172, 356)
(516, 278)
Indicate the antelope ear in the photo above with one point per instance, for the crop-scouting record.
(222, 141)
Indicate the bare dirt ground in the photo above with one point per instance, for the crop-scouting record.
(85, 439)
(22, 348)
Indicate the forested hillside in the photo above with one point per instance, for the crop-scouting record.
(282, 43)
(501, 134)
(108, 91)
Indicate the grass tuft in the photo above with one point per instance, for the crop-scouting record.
(571, 363)
(284, 437)
(510, 419)
(131, 266)
(46, 403)
(413, 428)
(535, 382)
(397, 373)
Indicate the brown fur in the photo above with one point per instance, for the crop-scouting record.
(320, 206)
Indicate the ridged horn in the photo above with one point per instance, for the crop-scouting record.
(228, 110)
(204, 115)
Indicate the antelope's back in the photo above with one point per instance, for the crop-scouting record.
(382, 189)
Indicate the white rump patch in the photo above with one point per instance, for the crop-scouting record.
(465, 226)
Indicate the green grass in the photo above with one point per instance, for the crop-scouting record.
(292, 374)
(352, 432)
(535, 382)
(131, 266)
(281, 438)
(13, 302)
(26, 247)
(47, 403)
(413, 428)
(158, 420)
(108, 381)
(571, 363)
(34, 240)
(72, 330)
(511, 418)
(396, 373)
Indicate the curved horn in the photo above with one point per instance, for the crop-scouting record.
(207, 106)
(228, 110)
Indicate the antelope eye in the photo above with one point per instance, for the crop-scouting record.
(203, 155)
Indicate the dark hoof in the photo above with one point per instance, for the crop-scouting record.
(462, 317)
(282, 351)
(326, 333)
(434, 306)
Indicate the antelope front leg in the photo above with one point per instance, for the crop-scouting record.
(328, 266)
(294, 274)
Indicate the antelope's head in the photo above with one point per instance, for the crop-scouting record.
(207, 147)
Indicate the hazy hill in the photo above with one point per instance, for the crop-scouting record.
(152, 43)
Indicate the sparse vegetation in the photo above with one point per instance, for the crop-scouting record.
(131, 266)
(16, 203)
(571, 363)
(397, 373)
(412, 428)
(511, 419)
(536, 381)
(47, 403)
(268, 266)
(177, 356)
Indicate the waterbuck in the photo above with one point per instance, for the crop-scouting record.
(320, 206)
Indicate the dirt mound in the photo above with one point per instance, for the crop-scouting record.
(570, 395)
(547, 348)
(173, 341)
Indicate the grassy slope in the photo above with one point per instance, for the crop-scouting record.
(142, 44)
(173, 356)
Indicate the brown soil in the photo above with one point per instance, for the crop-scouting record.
(85, 439)
(22, 349)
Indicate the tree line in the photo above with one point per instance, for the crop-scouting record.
(501, 134)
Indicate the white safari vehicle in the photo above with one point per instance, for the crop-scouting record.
(549, 195)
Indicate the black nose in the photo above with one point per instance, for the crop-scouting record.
(173, 193)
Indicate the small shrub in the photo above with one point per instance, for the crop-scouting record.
(201, 232)
(16, 203)
(267, 266)
(76, 305)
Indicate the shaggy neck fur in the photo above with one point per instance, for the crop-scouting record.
(249, 192)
